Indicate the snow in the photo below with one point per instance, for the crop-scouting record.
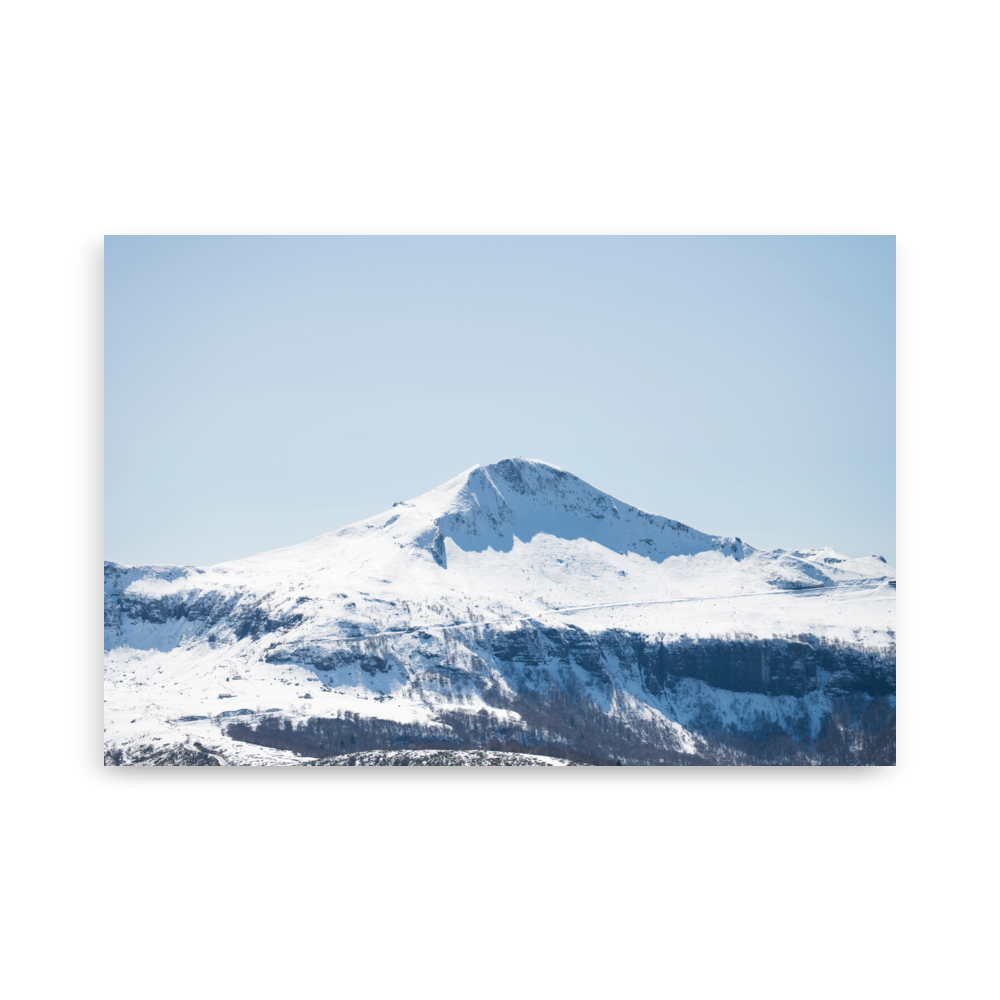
(512, 542)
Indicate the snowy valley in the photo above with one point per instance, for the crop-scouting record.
(513, 614)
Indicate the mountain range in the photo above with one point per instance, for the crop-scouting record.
(515, 612)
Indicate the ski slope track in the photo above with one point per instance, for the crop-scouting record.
(514, 611)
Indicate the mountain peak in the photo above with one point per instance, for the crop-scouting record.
(488, 506)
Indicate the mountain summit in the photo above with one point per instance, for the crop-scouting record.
(493, 507)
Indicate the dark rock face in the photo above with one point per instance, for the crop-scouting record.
(246, 619)
(241, 616)
(774, 667)
(539, 646)
(786, 667)
(790, 666)
(369, 655)
(112, 614)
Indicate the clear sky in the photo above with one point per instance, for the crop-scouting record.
(262, 390)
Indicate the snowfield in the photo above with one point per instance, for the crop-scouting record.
(485, 610)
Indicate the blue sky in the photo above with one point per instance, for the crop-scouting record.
(262, 390)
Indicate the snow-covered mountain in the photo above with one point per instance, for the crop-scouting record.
(514, 607)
